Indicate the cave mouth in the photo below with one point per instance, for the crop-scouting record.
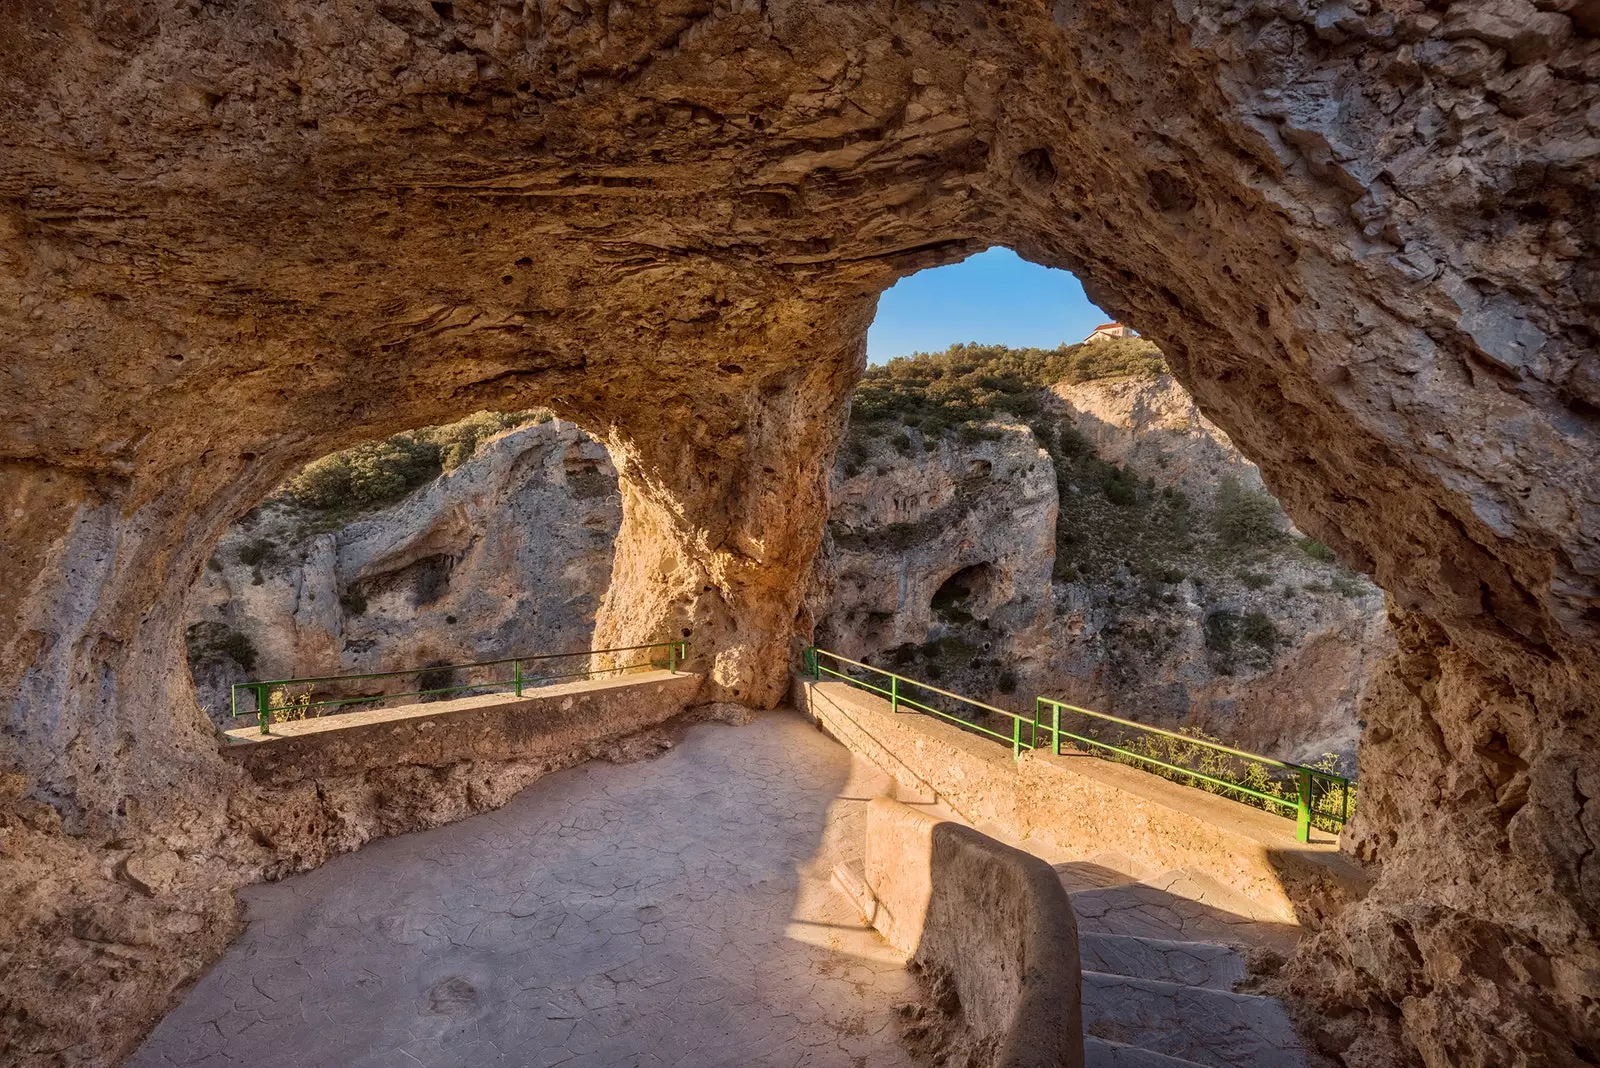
(963, 592)
(1295, 200)
(422, 553)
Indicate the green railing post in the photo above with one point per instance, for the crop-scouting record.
(1016, 737)
(1302, 825)
(516, 676)
(672, 657)
(264, 708)
(894, 693)
(1055, 728)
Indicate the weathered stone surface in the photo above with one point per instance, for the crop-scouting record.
(986, 514)
(508, 553)
(606, 918)
(1075, 809)
(902, 526)
(236, 237)
(987, 924)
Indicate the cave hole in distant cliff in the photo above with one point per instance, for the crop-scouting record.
(461, 543)
(964, 595)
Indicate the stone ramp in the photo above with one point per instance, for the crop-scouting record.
(1199, 1024)
(1179, 907)
(1098, 1053)
(1199, 964)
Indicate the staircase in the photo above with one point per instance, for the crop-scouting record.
(1160, 959)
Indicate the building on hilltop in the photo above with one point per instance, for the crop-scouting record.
(1108, 330)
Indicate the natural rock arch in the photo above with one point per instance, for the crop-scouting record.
(235, 236)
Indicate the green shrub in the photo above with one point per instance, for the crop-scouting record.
(1197, 756)
(256, 552)
(1253, 580)
(969, 383)
(377, 473)
(1121, 486)
(1242, 517)
(1345, 586)
(1257, 629)
(1233, 640)
(217, 642)
(1316, 550)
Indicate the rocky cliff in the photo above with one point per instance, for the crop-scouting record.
(236, 237)
(942, 560)
(977, 557)
(508, 553)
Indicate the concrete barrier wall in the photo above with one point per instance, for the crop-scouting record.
(991, 920)
(543, 722)
(1079, 806)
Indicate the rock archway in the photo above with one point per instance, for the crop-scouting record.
(235, 236)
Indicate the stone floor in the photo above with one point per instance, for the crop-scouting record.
(671, 912)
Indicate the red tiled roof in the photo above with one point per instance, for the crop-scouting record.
(1107, 326)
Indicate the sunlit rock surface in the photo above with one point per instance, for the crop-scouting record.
(508, 554)
(236, 237)
(948, 559)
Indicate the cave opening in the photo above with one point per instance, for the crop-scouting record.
(289, 233)
(1026, 502)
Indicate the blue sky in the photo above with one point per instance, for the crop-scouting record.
(995, 297)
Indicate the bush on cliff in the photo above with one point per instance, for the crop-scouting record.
(968, 383)
(377, 473)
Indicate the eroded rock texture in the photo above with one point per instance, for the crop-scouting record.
(235, 236)
(508, 554)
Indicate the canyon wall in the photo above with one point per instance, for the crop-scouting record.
(235, 237)
(943, 552)
(507, 554)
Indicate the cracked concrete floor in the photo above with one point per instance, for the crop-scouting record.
(671, 912)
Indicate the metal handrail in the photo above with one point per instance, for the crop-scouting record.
(813, 661)
(677, 652)
(1304, 776)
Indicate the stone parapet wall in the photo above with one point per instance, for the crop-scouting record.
(1078, 806)
(983, 921)
(492, 727)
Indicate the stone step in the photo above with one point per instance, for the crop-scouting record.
(1180, 907)
(1208, 1027)
(1098, 1053)
(1203, 964)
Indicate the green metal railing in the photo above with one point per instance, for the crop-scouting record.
(275, 697)
(898, 684)
(1312, 794)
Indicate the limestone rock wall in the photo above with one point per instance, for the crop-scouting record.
(509, 553)
(236, 237)
(904, 524)
(980, 511)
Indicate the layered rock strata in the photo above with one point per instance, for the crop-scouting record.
(236, 237)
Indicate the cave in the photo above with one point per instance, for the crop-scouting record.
(234, 238)
(967, 591)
